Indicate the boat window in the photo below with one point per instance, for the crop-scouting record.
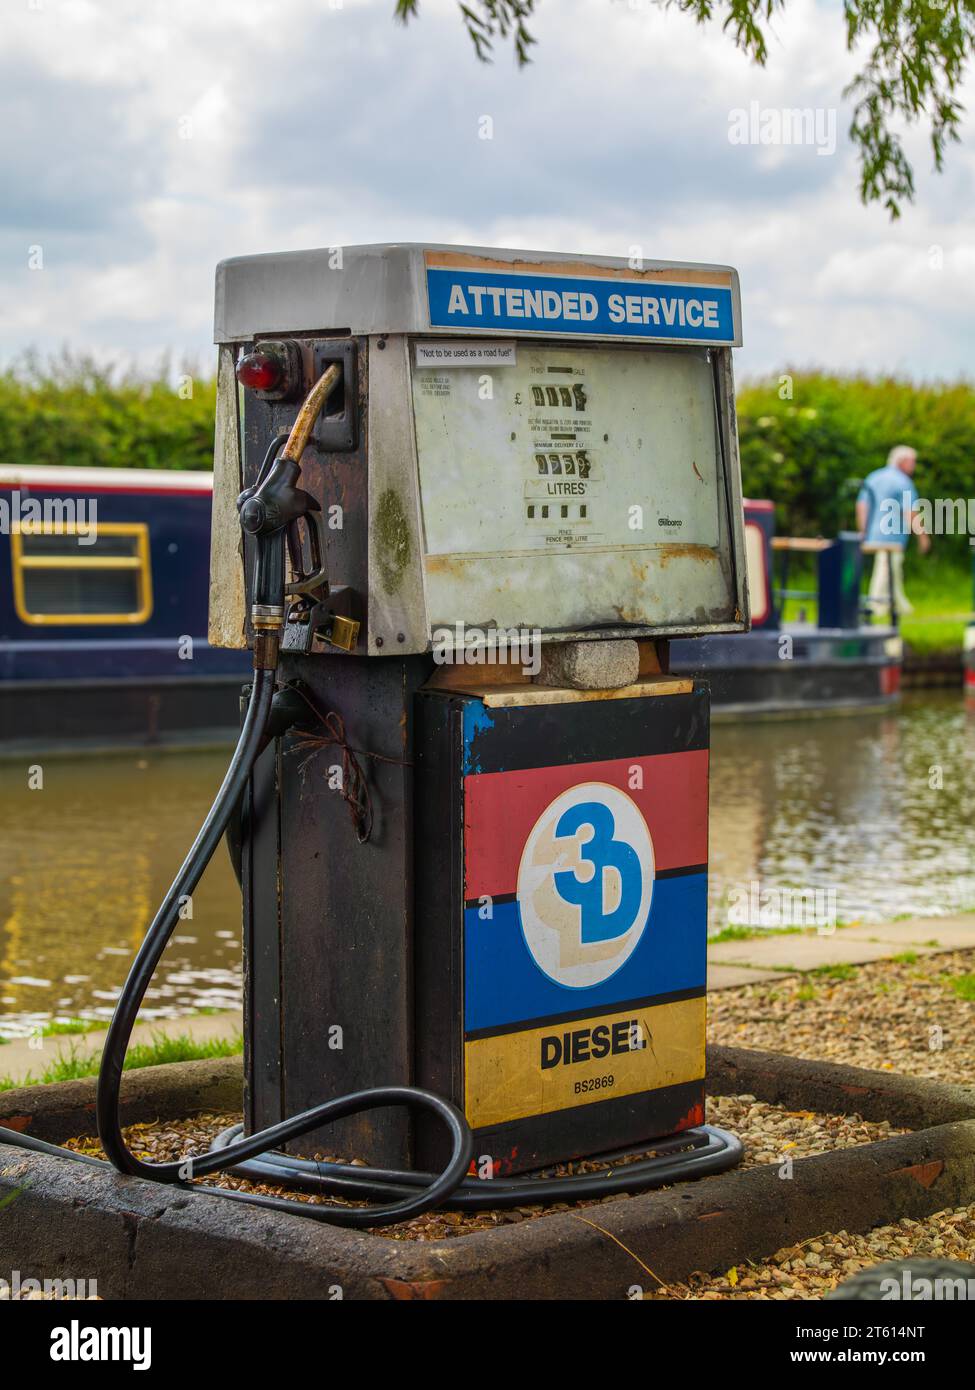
(63, 576)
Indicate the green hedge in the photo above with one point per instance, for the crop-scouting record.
(807, 450)
(809, 453)
(71, 412)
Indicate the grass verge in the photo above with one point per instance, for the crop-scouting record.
(73, 1064)
(939, 588)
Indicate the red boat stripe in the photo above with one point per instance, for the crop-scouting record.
(502, 807)
(84, 490)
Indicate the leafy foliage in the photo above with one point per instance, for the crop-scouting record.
(809, 438)
(485, 20)
(917, 51)
(72, 411)
(916, 63)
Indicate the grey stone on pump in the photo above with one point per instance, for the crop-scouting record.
(605, 665)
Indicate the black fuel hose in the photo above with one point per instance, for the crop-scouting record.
(696, 1153)
(153, 945)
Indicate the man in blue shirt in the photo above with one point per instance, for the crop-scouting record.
(886, 517)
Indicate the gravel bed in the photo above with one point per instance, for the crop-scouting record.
(770, 1133)
(905, 1015)
(810, 1270)
(908, 1015)
(912, 1015)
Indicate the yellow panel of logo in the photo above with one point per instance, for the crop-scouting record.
(561, 1065)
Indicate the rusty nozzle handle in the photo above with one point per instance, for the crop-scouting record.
(311, 408)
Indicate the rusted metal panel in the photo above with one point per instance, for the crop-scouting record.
(227, 618)
(397, 613)
(346, 908)
(260, 884)
(728, 434)
(578, 489)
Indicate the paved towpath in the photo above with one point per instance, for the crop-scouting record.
(734, 963)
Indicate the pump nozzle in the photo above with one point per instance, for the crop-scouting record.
(277, 501)
(271, 510)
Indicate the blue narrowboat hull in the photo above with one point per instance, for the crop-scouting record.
(49, 716)
(799, 668)
(73, 672)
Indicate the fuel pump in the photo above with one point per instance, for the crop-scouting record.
(463, 498)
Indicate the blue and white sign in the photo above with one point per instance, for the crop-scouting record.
(585, 884)
(512, 301)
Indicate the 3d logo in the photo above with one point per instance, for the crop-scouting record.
(585, 883)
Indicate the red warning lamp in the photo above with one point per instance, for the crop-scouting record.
(272, 369)
(261, 371)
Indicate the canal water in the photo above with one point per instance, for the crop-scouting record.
(876, 810)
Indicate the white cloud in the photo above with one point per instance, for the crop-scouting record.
(156, 138)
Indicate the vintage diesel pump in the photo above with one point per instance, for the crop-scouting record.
(462, 499)
(483, 876)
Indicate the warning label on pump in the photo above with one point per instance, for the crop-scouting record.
(456, 354)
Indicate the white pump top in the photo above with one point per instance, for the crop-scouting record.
(403, 288)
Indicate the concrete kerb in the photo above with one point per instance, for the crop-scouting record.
(142, 1240)
(181, 1089)
(909, 1102)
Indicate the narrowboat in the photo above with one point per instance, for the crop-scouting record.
(841, 662)
(104, 577)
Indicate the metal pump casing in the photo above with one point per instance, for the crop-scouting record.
(547, 442)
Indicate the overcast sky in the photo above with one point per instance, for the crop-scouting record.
(144, 141)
